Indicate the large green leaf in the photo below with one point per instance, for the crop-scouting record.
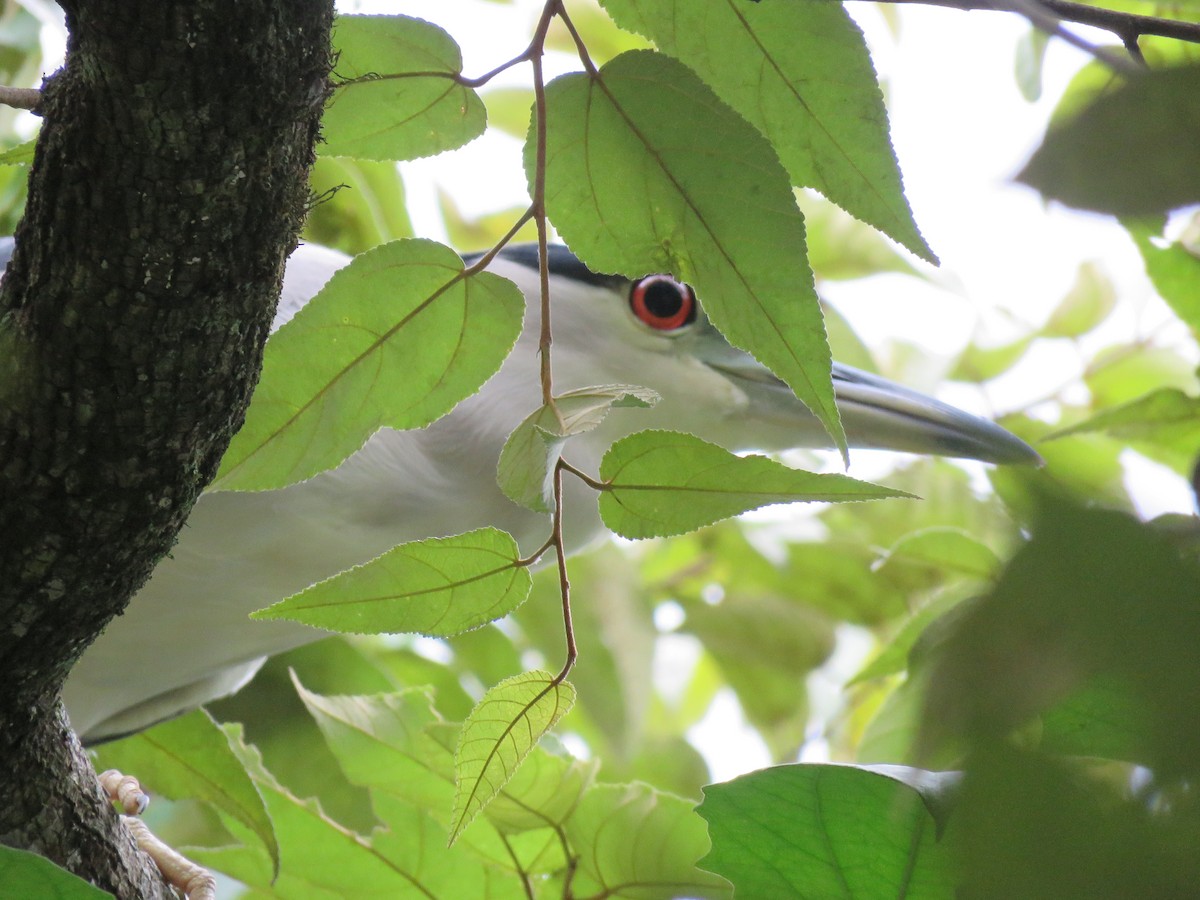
(395, 339)
(660, 483)
(192, 757)
(439, 586)
(1132, 151)
(800, 73)
(1174, 269)
(1166, 418)
(25, 874)
(498, 735)
(648, 171)
(637, 842)
(397, 98)
(834, 832)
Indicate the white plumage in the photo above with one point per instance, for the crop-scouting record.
(186, 638)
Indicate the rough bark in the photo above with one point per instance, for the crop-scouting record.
(168, 186)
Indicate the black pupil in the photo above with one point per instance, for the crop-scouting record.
(663, 298)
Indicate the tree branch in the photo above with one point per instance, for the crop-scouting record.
(168, 186)
(1126, 26)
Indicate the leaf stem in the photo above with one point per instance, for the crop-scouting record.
(583, 476)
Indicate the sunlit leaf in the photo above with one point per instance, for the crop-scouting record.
(1174, 269)
(531, 452)
(945, 550)
(829, 831)
(545, 791)
(978, 363)
(637, 842)
(481, 231)
(26, 874)
(714, 209)
(20, 155)
(191, 756)
(801, 74)
(439, 586)
(509, 109)
(1168, 418)
(1030, 58)
(395, 339)
(1120, 374)
(841, 247)
(396, 97)
(498, 735)
(1085, 306)
(384, 742)
(361, 204)
(1133, 151)
(660, 483)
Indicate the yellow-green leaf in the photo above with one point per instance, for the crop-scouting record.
(397, 98)
(501, 730)
(439, 586)
(395, 339)
(698, 193)
(660, 483)
(801, 74)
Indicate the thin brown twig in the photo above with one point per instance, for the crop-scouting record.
(1126, 26)
(564, 583)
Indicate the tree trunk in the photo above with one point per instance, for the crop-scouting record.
(168, 187)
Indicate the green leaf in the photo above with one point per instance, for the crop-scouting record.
(20, 155)
(802, 75)
(977, 363)
(637, 842)
(192, 757)
(841, 247)
(545, 791)
(361, 204)
(945, 550)
(1133, 151)
(1167, 418)
(1030, 60)
(1174, 269)
(509, 109)
(829, 831)
(320, 858)
(715, 209)
(395, 339)
(439, 586)
(1093, 594)
(532, 451)
(397, 98)
(385, 742)
(660, 483)
(1085, 306)
(501, 730)
(1120, 374)
(25, 874)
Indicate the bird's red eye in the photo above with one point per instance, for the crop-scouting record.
(662, 302)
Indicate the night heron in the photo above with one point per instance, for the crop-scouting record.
(185, 638)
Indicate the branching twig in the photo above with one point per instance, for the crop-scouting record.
(1126, 26)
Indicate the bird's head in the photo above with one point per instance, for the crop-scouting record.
(653, 331)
